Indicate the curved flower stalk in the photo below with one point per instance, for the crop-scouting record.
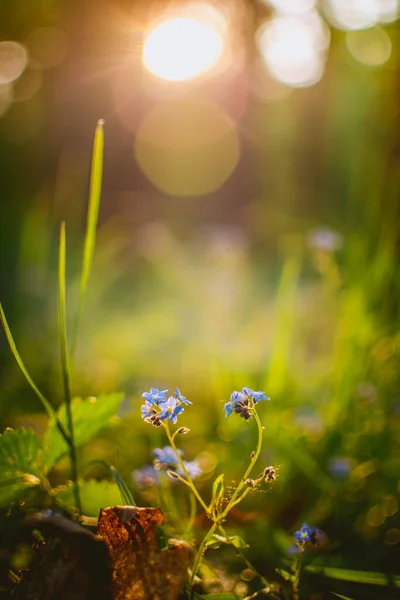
(161, 411)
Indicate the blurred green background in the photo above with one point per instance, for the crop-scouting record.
(279, 273)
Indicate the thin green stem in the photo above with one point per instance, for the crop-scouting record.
(244, 558)
(234, 500)
(192, 513)
(201, 551)
(296, 577)
(168, 500)
(184, 469)
(50, 410)
(65, 366)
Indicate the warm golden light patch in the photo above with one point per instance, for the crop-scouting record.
(182, 48)
(187, 147)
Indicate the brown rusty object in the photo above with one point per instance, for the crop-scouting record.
(140, 569)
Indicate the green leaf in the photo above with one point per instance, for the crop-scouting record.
(226, 596)
(21, 463)
(342, 597)
(94, 496)
(368, 577)
(218, 489)
(91, 225)
(285, 574)
(190, 594)
(234, 540)
(89, 417)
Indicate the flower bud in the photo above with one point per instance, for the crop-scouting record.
(183, 430)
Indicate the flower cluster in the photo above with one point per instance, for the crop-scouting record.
(157, 408)
(244, 402)
(165, 459)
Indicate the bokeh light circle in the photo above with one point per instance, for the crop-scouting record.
(371, 47)
(47, 47)
(182, 48)
(293, 48)
(13, 60)
(187, 147)
(353, 14)
(292, 7)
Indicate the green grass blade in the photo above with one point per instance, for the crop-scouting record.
(91, 225)
(50, 410)
(367, 577)
(125, 492)
(62, 320)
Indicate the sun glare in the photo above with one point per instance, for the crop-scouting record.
(182, 48)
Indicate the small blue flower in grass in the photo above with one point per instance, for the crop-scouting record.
(192, 468)
(170, 409)
(304, 534)
(243, 402)
(181, 398)
(165, 458)
(257, 396)
(228, 408)
(236, 397)
(146, 477)
(155, 396)
(231, 405)
(147, 410)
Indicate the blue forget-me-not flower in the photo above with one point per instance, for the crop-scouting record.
(170, 409)
(155, 396)
(243, 402)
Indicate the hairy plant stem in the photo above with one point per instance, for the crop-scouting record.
(236, 498)
(296, 577)
(184, 469)
(201, 550)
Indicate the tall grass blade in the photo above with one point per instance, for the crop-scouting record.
(50, 410)
(62, 320)
(91, 225)
(367, 577)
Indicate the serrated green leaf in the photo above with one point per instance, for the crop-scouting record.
(368, 577)
(21, 463)
(89, 417)
(94, 496)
